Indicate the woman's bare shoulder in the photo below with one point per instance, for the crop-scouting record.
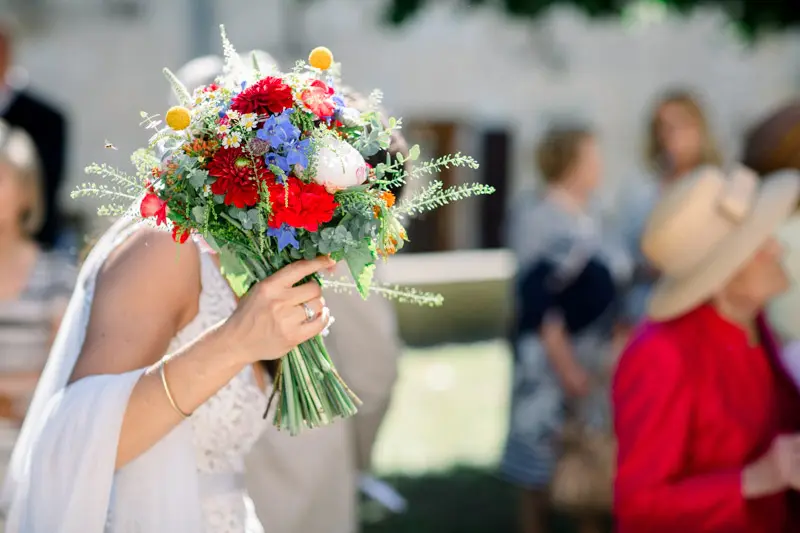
(151, 248)
(146, 291)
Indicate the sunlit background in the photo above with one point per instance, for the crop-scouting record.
(471, 78)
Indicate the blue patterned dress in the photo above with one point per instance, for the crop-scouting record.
(565, 268)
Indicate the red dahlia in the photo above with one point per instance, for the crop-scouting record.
(238, 176)
(304, 205)
(267, 96)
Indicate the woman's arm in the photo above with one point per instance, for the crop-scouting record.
(146, 292)
(558, 348)
(653, 402)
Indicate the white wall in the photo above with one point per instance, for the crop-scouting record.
(477, 67)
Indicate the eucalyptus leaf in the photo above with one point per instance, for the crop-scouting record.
(254, 217)
(199, 214)
(413, 152)
(197, 178)
(361, 262)
(235, 272)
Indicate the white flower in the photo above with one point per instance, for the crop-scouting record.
(338, 165)
(206, 190)
(249, 121)
(233, 115)
(350, 117)
(234, 140)
(223, 129)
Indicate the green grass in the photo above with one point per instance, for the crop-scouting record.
(441, 442)
(449, 409)
(442, 439)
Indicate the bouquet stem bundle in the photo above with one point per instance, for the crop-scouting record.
(309, 391)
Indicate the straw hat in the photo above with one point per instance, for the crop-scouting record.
(706, 228)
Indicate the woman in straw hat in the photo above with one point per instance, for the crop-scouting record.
(704, 414)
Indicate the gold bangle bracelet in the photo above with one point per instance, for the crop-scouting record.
(161, 369)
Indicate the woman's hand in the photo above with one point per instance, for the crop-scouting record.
(271, 319)
(575, 381)
(775, 471)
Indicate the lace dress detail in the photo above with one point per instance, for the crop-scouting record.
(228, 424)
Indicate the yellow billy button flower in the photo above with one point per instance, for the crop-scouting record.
(321, 58)
(178, 118)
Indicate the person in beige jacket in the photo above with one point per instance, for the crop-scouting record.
(310, 483)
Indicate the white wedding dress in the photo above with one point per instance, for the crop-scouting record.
(227, 425)
(62, 477)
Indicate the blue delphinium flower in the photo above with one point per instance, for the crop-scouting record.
(286, 147)
(278, 129)
(297, 152)
(338, 101)
(280, 161)
(286, 235)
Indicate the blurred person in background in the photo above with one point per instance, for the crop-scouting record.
(45, 124)
(706, 417)
(566, 290)
(679, 139)
(771, 145)
(319, 493)
(35, 285)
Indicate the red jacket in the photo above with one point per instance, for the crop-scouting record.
(693, 405)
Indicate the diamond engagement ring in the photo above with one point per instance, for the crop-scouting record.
(310, 314)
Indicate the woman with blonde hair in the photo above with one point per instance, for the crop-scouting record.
(34, 285)
(679, 140)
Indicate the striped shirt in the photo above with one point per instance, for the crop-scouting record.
(26, 323)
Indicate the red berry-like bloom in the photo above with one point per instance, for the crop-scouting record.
(265, 97)
(238, 176)
(180, 235)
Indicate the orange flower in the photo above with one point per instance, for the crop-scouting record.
(201, 149)
(388, 197)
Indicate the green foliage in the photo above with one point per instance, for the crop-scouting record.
(754, 17)
(361, 262)
(427, 168)
(434, 196)
(390, 292)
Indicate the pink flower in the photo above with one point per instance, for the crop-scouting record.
(319, 99)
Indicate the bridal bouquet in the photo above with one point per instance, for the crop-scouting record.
(269, 168)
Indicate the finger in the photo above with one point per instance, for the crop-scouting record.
(315, 327)
(303, 293)
(297, 313)
(289, 275)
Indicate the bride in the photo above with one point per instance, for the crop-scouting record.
(120, 437)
